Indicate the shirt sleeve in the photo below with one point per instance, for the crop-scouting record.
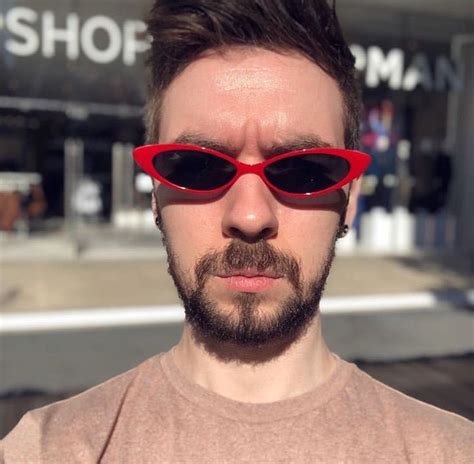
(22, 444)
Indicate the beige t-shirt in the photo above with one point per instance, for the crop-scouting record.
(153, 414)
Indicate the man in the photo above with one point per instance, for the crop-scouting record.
(252, 124)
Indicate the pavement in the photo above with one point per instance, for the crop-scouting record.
(105, 268)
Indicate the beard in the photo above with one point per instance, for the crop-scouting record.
(247, 325)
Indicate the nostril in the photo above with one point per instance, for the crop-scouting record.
(266, 233)
(235, 232)
(263, 234)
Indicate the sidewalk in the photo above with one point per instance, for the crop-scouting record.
(112, 269)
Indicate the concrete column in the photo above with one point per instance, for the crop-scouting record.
(122, 178)
(73, 172)
(461, 138)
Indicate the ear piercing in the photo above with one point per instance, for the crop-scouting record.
(343, 230)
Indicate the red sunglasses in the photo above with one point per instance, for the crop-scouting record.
(302, 173)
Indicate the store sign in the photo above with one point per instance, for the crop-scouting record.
(394, 69)
(73, 51)
(92, 52)
(30, 32)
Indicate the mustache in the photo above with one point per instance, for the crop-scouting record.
(240, 255)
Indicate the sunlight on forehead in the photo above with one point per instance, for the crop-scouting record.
(251, 78)
(253, 98)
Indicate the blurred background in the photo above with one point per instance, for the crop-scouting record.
(83, 282)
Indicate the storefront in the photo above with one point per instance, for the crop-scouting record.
(72, 89)
(413, 64)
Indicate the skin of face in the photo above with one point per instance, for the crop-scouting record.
(248, 100)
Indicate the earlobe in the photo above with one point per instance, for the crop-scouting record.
(351, 210)
(347, 217)
(154, 201)
(155, 209)
(343, 230)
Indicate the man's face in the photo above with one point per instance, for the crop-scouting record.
(249, 264)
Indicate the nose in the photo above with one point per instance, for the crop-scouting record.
(250, 210)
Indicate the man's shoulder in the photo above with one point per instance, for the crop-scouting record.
(421, 424)
(68, 424)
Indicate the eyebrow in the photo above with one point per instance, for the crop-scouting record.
(205, 142)
(299, 142)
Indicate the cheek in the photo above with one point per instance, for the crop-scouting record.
(190, 233)
(310, 236)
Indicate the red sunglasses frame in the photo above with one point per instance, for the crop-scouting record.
(357, 160)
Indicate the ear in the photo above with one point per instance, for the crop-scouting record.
(155, 207)
(154, 202)
(351, 210)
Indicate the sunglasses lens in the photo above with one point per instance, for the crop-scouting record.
(307, 173)
(193, 169)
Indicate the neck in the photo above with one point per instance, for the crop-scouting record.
(257, 375)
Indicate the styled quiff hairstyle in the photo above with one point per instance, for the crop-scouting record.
(182, 30)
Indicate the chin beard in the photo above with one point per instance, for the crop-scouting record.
(246, 325)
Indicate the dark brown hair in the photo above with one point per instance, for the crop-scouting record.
(181, 30)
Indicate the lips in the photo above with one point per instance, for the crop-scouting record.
(250, 273)
(249, 281)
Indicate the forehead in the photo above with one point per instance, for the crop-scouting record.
(252, 96)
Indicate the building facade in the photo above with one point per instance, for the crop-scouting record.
(72, 87)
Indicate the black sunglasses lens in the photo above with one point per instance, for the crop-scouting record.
(194, 169)
(307, 173)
